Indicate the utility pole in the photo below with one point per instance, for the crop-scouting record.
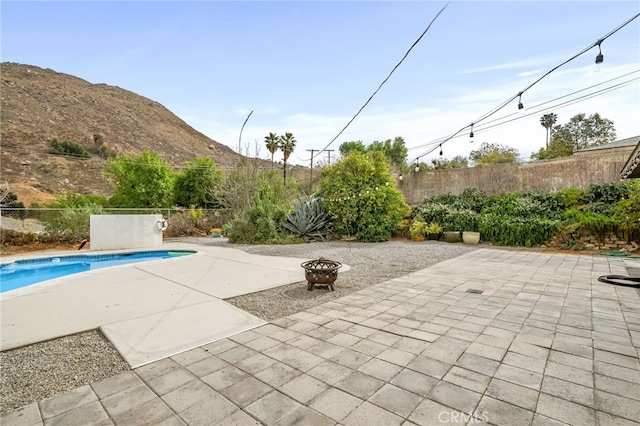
(329, 155)
(311, 170)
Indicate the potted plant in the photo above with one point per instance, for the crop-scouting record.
(433, 230)
(418, 230)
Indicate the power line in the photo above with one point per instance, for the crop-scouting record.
(442, 139)
(388, 76)
(520, 93)
(550, 108)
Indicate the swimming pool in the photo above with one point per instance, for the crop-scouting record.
(21, 273)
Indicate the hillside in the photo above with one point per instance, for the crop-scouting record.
(38, 105)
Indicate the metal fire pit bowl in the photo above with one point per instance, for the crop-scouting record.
(321, 272)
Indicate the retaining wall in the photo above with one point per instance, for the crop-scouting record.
(120, 231)
(581, 170)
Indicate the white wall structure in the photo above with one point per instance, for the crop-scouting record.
(125, 231)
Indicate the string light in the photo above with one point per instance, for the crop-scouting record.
(400, 177)
(417, 165)
(471, 134)
(520, 106)
(440, 149)
(599, 56)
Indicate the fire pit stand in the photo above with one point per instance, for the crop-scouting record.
(321, 272)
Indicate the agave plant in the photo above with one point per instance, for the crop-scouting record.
(309, 220)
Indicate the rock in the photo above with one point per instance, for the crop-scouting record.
(589, 246)
(25, 162)
(212, 147)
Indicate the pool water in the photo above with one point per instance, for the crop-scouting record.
(21, 273)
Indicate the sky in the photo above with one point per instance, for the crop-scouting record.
(307, 67)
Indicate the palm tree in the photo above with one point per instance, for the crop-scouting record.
(287, 144)
(547, 121)
(272, 144)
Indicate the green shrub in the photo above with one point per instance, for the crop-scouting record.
(470, 199)
(361, 196)
(450, 218)
(71, 224)
(70, 149)
(197, 183)
(609, 193)
(433, 212)
(262, 221)
(626, 213)
(141, 181)
(517, 231)
(72, 200)
(418, 229)
(573, 197)
(550, 204)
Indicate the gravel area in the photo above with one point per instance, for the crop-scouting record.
(39, 371)
(371, 263)
(36, 372)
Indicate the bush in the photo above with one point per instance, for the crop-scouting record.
(626, 213)
(73, 200)
(262, 221)
(9, 237)
(361, 196)
(450, 218)
(608, 193)
(418, 230)
(573, 197)
(470, 199)
(197, 183)
(517, 231)
(71, 224)
(70, 149)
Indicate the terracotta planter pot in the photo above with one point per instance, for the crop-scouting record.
(471, 237)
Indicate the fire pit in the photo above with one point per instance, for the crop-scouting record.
(321, 272)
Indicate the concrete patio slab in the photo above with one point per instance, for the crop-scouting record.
(150, 338)
(149, 310)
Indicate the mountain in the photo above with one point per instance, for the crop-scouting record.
(38, 105)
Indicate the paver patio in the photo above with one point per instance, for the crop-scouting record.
(544, 343)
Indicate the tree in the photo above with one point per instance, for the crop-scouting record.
(359, 193)
(194, 185)
(590, 131)
(561, 145)
(272, 144)
(579, 133)
(490, 153)
(347, 148)
(141, 181)
(395, 151)
(548, 121)
(287, 144)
